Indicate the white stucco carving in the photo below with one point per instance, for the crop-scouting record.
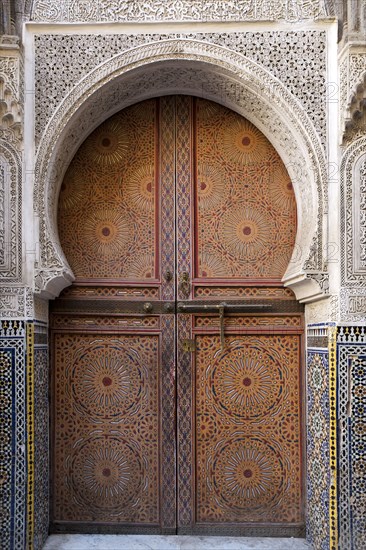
(182, 66)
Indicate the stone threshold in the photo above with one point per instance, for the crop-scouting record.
(171, 542)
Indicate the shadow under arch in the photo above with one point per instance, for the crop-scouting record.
(191, 67)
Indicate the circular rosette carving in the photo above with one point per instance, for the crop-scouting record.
(246, 232)
(248, 473)
(107, 229)
(106, 380)
(106, 474)
(243, 143)
(108, 144)
(210, 186)
(140, 188)
(247, 381)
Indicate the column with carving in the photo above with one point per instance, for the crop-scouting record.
(23, 351)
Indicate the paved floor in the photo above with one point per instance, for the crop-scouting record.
(154, 542)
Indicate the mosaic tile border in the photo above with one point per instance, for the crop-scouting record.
(351, 351)
(357, 435)
(12, 371)
(41, 435)
(318, 447)
(30, 431)
(333, 504)
(322, 436)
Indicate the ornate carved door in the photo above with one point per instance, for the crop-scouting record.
(177, 351)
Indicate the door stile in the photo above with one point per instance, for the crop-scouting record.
(184, 206)
(168, 321)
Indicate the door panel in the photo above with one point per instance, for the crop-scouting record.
(168, 418)
(247, 429)
(239, 424)
(113, 411)
(107, 451)
(108, 205)
(245, 207)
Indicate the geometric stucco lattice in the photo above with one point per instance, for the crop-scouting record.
(297, 58)
(196, 68)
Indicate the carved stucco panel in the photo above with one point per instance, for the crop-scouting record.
(353, 305)
(170, 67)
(353, 214)
(10, 214)
(177, 10)
(16, 302)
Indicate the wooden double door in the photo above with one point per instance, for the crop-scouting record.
(176, 387)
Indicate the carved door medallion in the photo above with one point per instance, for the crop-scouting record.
(176, 352)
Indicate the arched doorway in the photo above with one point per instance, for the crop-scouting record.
(177, 351)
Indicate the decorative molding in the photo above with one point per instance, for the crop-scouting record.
(53, 11)
(353, 214)
(322, 278)
(176, 66)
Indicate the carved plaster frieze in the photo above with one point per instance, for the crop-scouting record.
(9, 71)
(178, 66)
(353, 214)
(353, 94)
(10, 214)
(296, 58)
(177, 10)
(11, 99)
